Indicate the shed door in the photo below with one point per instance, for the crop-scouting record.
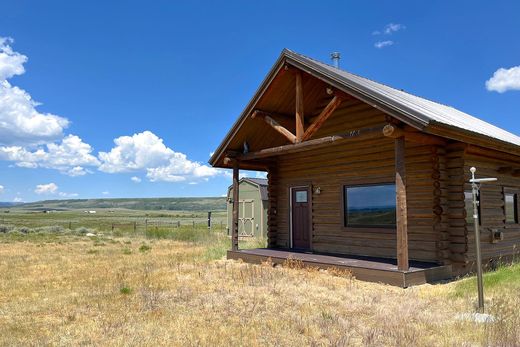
(300, 218)
(246, 218)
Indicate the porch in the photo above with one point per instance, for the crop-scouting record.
(369, 269)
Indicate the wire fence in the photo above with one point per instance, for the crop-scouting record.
(137, 225)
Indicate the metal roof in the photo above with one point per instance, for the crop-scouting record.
(418, 112)
(261, 183)
(426, 111)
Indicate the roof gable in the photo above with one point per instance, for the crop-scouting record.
(423, 114)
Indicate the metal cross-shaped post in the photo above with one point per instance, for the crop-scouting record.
(475, 187)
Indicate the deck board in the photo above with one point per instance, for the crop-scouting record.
(363, 268)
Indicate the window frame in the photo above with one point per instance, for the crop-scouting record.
(389, 228)
(514, 192)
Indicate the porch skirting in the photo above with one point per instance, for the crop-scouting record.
(362, 268)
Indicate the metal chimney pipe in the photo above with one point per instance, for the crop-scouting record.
(335, 56)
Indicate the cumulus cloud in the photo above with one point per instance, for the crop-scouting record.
(17, 199)
(135, 179)
(504, 80)
(49, 188)
(383, 44)
(52, 189)
(11, 63)
(1, 189)
(105, 193)
(69, 156)
(20, 122)
(147, 152)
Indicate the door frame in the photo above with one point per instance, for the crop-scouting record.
(309, 202)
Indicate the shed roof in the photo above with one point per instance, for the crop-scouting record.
(423, 114)
(261, 183)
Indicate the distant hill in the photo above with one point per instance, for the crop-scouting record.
(9, 204)
(171, 204)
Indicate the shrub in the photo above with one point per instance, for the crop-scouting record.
(125, 290)
(50, 229)
(24, 230)
(83, 230)
(144, 248)
(5, 228)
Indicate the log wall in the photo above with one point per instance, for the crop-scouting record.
(363, 162)
(488, 164)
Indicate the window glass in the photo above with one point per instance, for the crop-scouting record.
(301, 196)
(510, 207)
(370, 205)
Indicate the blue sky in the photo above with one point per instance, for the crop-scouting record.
(166, 80)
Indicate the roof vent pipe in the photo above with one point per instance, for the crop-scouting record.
(335, 56)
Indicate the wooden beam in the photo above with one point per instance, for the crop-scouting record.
(234, 232)
(324, 115)
(401, 210)
(299, 107)
(360, 134)
(390, 130)
(516, 173)
(275, 125)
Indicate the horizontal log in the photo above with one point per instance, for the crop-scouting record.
(361, 134)
(393, 131)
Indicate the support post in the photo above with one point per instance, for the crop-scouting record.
(401, 210)
(299, 108)
(234, 232)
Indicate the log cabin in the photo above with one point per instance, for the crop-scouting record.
(370, 178)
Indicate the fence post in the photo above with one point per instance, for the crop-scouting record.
(209, 220)
(178, 224)
(193, 225)
(70, 225)
(146, 225)
(135, 226)
(112, 227)
(221, 226)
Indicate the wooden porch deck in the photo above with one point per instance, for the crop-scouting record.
(363, 268)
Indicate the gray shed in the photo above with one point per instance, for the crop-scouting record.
(252, 211)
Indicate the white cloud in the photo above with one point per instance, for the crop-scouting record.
(251, 174)
(67, 195)
(1, 189)
(261, 174)
(20, 122)
(389, 29)
(52, 189)
(68, 157)
(17, 199)
(11, 63)
(105, 193)
(392, 27)
(504, 80)
(135, 179)
(146, 152)
(49, 188)
(76, 171)
(382, 44)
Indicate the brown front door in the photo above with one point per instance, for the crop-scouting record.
(300, 218)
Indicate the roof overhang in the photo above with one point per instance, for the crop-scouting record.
(378, 101)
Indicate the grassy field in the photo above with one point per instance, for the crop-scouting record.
(173, 287)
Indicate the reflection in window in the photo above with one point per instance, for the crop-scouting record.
(370, 205)
(468, 201)
(511, 208)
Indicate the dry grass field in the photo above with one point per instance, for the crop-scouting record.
(67, 289)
